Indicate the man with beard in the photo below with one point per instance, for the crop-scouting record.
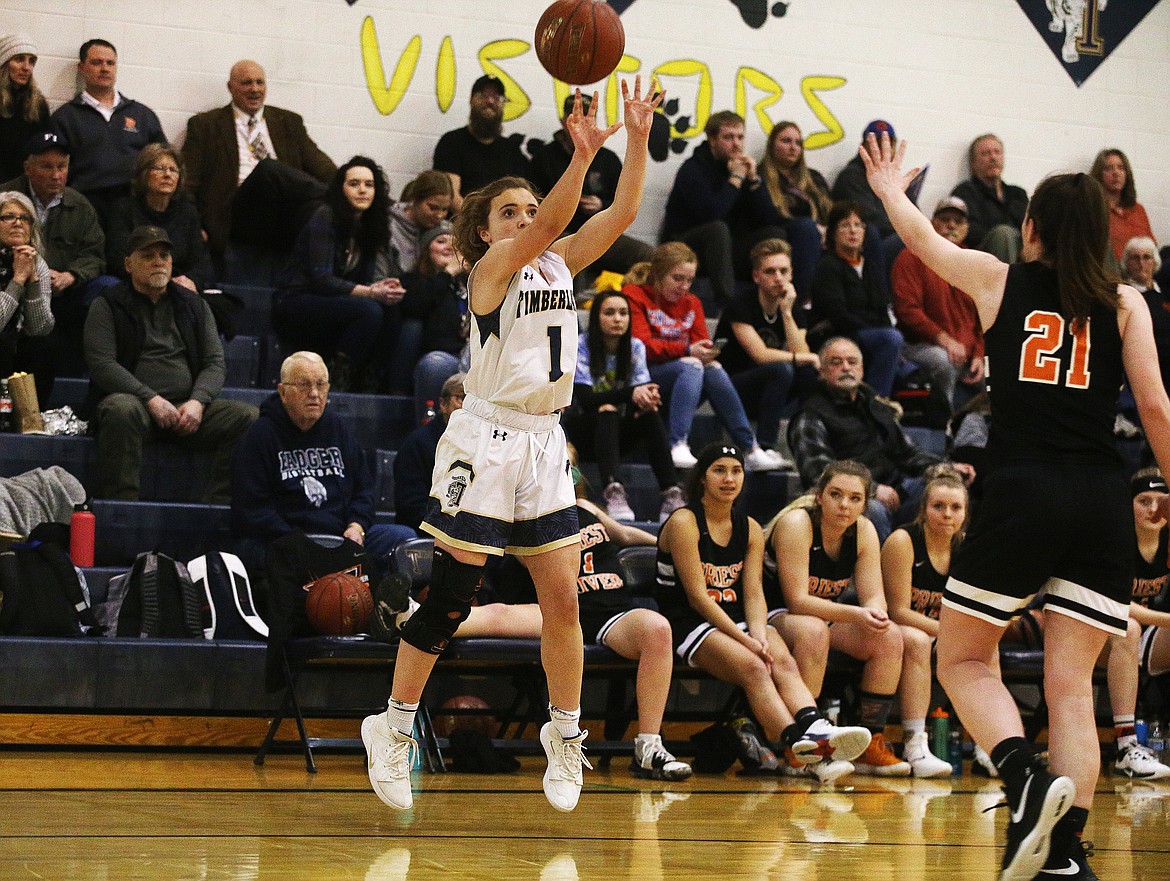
(477, 154)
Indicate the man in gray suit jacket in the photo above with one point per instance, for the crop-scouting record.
(224, 146)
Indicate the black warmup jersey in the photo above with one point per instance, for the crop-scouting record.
(600, 589)
(1150, 579)
(828, 578)
(722, 567)
(926, 582)
(1055, 391)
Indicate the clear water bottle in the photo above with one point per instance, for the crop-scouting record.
(955, 751)
(1157, 739)
(6, 417)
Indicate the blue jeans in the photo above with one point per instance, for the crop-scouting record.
(764, 390)
(686, 384)
(433, 369)
(380, 542)
(882, 348)
(886, 521)
(804, 236)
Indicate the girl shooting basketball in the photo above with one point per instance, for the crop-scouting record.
(501, 481)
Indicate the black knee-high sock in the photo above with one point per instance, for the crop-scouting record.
(1066, 838)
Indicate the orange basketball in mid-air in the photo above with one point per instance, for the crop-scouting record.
(339, 604)
(580, 41)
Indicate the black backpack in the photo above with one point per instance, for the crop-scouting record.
(156, 598)
(41, 593)
(230, 611)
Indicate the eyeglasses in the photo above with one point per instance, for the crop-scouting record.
(305, 386)
(15, 218)
(164, 169)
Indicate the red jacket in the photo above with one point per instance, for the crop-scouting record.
(926, 305)
(667, 329)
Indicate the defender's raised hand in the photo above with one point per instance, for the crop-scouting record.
(883, 166)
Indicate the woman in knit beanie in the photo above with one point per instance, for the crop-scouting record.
(23, 109)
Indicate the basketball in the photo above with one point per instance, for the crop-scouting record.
(580, 41)
(480, 720)
(339, 604)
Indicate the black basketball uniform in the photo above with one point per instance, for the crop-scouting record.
(1056, 512)
(1149, 588)
(828, 578)
(602, 595)
(926, 583)
(723, 569)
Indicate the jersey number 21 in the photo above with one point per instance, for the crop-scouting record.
(1038, 360)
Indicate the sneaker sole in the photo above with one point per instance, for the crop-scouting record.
(367, 737)
(545, 742)
(1033, 850)
(849, 743)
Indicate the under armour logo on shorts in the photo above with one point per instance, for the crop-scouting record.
(498, 433)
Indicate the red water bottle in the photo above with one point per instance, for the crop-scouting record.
(82, 529)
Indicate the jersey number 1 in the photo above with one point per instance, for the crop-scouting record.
(1038, 361)
(554, 353)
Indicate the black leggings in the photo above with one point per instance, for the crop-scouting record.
(604, 434)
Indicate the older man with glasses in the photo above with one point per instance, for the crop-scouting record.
(301, 469)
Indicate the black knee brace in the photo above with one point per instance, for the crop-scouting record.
(453, 585)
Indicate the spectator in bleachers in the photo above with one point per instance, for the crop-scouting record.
(416, 457)
(23, 109)
(995, 210)
(719, 206)
(1140, 261)
(300, 468)
(852, 186)
(551, 160)
(436, 296)
(844, 419)
(157, 199)
(1127, 216)
(801, 197)
(616, 405)
(104, 129)
(766, 350)
(26, 316)
(669, 321)
(157, 370)
(332, 299)
(849, 297)
(75, 246)
(224, 146)
(424, 204)
(942, 330)
(476, 154)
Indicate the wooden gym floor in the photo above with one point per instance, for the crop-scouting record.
(119, 816)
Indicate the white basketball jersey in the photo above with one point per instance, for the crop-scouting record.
(524, 354)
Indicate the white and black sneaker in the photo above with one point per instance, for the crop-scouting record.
(1043, 800)
(652, 761)
(390, 755)
(1139, 762)
(1074, 866)
(617, 505)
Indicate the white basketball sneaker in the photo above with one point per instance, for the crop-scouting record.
(390, 756)
(563, 779)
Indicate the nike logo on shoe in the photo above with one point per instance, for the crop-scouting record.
(1070, 869)
(1018, 813)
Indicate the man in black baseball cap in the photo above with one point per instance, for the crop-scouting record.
(478, 153)
(74, 244)
(157, 368)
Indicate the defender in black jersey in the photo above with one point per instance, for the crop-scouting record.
(1061, 336)
(710, 558)
(915, 562)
